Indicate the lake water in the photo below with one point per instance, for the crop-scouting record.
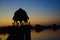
(44, 35)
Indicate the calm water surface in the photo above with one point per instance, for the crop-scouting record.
(44, 35)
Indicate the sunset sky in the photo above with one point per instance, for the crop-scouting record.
(44, 12)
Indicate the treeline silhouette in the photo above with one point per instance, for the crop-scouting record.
(39, 28)
(36, 28)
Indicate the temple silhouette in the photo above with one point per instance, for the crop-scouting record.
(21, 28)
(20, 15)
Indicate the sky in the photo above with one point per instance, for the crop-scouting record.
(43, 12)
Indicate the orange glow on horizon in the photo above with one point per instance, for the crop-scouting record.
(33, 21)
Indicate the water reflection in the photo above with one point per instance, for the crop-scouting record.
(44, 35)
(4, 37)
